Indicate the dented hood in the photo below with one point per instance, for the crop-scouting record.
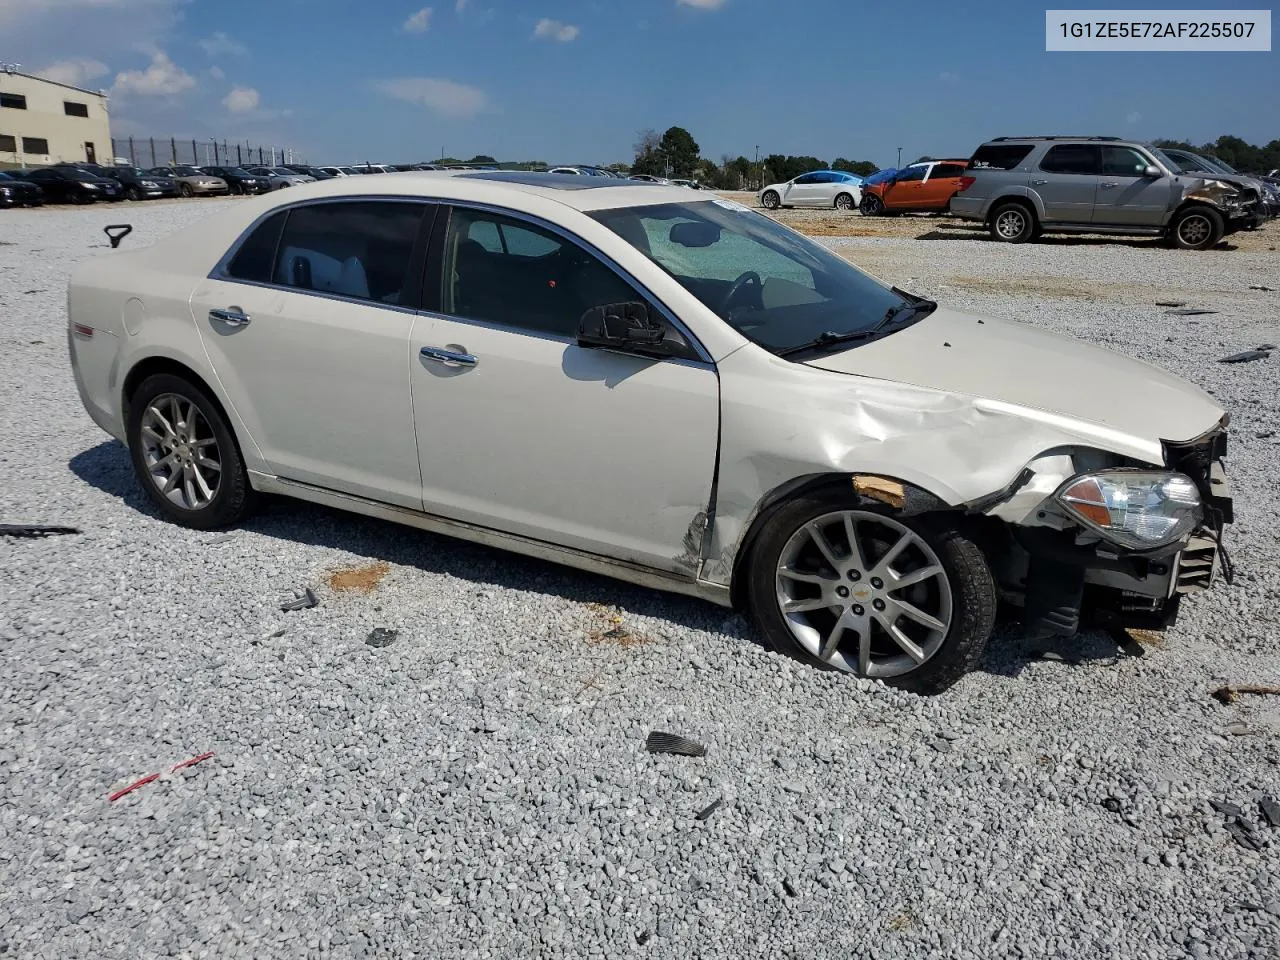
(1023, 365)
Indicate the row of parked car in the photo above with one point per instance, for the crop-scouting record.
(90, 182)
(1021, 187)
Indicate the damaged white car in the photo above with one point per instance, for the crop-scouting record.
(674, 391)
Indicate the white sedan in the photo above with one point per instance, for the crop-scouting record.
(669, 389)
(819, 188)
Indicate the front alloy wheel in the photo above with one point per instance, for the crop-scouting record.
(771, 200)
(865, 592)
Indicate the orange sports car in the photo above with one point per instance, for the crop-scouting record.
(924, 187)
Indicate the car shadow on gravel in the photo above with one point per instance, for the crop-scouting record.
(1064, 240)
(107, 468)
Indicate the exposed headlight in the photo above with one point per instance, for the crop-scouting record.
(149, 184)
(1138, 509)
(89, 186)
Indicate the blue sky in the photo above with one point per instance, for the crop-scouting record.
(576, 80)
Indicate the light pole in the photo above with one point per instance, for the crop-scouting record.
(760, 181)
(899, 156)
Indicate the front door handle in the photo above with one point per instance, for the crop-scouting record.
(232, 316)
(1108, 186)
(1039, 183)
(449, 358)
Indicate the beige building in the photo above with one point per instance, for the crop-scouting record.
(44, 122)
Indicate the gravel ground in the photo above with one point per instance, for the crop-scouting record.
(480, 788)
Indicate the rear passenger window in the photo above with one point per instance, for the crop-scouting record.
(1072, 158)
(946, 170)
(357, 249)
(256, 255)
(999, 156)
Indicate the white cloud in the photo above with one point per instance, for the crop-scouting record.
(76, 72)
(418, 22)
(162, 78)
(702, 4)
(1133, 117)
(442, 97)
(221, 45)
(216, 73)
(241, 100)
(555, 30)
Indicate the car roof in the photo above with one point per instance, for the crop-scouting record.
(498, 187)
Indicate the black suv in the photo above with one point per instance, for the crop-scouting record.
(239, 180)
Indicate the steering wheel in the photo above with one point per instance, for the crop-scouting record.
(750, 277)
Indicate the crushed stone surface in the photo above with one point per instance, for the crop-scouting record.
(481, 788)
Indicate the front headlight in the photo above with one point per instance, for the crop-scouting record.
(149, 184)
(1138, 509)
(89, 186)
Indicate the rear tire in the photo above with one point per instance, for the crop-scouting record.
(1197, 228)
(844, 202)
(1012, 223)
(952, 585)
(185, 456)
(770, 200)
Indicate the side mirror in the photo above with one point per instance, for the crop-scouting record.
(1152, 172)
(622, 326)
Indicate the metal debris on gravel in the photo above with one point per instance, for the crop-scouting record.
(354, 808)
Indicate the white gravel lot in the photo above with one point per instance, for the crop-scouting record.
(480, 787)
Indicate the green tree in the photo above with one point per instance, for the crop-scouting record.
(779, 168)
(482, 158)
(679, 152)
(648, 159)
(861, 168)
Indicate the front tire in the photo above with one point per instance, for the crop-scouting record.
(770, 200)
(185, 190)
(1197, 228)
(871, 206)
(185, 456)
(1012, 223)
(909, 601)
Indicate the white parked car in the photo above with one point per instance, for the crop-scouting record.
(648, 178)
(281, 177)
(820, 188)
(671, 390)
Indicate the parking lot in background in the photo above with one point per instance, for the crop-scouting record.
(481, 783)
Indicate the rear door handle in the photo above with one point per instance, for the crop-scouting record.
(449, 358)
(1039, 183)
(232, 317)
(1108, 186)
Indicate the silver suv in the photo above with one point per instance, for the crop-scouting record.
(1024, 186)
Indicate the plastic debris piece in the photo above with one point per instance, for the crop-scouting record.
(225, 538)
(30, 531)
(1229, 694)
(1242, 832)
(1190, 312)
(673, 743)
(1270, 810)
(304, 602)
(710, 808)
(1246, 356)
(1112, 804)
(1237, 729)
(1226, 808)
(113, 797)
(116, 232)
(1171, 303)
(1262, 288)
(381, 637)
(191, 763)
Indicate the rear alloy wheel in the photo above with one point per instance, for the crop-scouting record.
(1197, 228)
(864, 592)
(771, 200)
(185, 456)
(844, 202)
(1012, 223)
(871, 205)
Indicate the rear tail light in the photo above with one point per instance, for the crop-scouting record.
(82, 330)
(966, 183)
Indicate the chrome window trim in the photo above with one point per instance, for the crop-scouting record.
(219, 271)
(704, 356)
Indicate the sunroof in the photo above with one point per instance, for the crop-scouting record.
(552, 181)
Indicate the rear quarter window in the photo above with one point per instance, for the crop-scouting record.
(999, 156)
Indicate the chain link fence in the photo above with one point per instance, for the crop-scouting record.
(162, 152)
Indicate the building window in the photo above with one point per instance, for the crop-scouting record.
(14, 101)
(35, 145)
(8, 144)
(74, 109)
